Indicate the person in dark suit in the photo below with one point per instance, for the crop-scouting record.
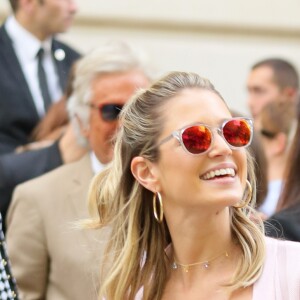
(22, 93)
(54, 144)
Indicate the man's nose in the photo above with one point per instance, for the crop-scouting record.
(73, 6)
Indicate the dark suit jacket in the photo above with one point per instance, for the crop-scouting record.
(285, 224)
(17, 168)
(18, 115)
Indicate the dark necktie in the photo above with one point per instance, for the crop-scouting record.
(43, 80)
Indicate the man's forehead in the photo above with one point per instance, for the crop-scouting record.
(261, 75)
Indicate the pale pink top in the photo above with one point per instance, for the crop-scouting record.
(280, 279)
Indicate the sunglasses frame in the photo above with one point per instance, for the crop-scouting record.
(178, 134)
(102, 105)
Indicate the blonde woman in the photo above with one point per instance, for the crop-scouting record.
(178, 197)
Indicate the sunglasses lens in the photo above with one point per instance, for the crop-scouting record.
(110, 112)
(237, 132)
(196, 139)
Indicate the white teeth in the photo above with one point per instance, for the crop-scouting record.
(220, 172)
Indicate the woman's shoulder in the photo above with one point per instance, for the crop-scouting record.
(285, 257)
(283, 252)
(281, 245)
(280, 278)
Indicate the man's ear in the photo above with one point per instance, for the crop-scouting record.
(27, 5)
(84, 130)
(144, 172)
(290, 93)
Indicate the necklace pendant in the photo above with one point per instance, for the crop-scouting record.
(206, 265)
(174, 266)
(186, 269)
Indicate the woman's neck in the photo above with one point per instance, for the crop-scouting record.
(198, 279)
(201, 239)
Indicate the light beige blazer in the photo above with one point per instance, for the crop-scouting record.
(50, 258)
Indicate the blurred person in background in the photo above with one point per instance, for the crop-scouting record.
(285, 223)
(54, 143)
(271, 79)
(276, 125)
(56, 260)
(34, 66)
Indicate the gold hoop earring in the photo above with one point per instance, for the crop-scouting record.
(249, 196)
(159, 217)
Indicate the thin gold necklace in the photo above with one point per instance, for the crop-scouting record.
(205, 264)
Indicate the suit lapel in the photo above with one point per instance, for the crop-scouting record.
(79, 184)
(59, 56)
(78, 197)
(13, 66)
(91, 242)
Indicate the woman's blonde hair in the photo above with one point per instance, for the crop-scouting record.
(135, 255)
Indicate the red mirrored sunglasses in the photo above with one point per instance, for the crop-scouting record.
(108, 112)
(197, 138)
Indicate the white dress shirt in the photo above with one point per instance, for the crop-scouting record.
(97, 166)
(270, 203)
(26, 47)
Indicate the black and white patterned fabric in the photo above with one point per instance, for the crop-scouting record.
(8, 288)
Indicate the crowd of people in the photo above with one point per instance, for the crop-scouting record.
(118, 185)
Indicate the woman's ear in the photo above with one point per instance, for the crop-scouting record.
(281, 143)
(144, 172)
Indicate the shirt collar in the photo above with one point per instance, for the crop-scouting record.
(97, 166)
(23, 39)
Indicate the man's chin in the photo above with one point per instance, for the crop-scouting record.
(105, 158)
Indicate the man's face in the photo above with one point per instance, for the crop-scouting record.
(262, 89)
(53, 16)
(114, 88)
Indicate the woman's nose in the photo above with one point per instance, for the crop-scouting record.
(219, 145)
